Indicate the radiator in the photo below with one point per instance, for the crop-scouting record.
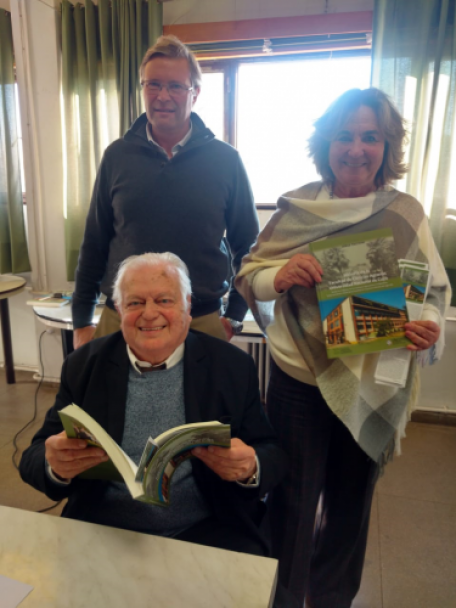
(257, 348)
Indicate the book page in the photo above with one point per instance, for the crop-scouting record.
(177, 430)
(168, 457)
(78, 423)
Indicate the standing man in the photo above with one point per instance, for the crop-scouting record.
(167, 185)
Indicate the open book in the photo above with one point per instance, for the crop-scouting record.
(361, 298)
(150, 480)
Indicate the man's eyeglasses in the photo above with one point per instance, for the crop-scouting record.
(174, 88)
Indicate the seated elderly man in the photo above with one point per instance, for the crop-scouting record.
(215, 496)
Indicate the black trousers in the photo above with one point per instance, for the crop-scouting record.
(212, 533)
(320, 513)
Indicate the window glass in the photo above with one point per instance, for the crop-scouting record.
(277, 104)
(19, 139)
(210, 103)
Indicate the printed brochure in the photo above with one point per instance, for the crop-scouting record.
(361, 298)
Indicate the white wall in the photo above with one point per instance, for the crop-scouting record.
(204, 11)
(438, 382)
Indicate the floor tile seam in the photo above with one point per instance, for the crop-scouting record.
(4, 445)
(438, 502)
(18, 454)
(9, 442)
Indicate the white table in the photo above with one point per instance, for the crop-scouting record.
(73, 564)
(61, 318)
(9, 286)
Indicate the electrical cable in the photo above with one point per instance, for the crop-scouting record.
(35, 411)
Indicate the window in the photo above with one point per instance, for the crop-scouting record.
(210, 104)
(19, 141)
(266, 107)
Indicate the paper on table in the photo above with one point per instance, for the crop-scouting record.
(12, 592)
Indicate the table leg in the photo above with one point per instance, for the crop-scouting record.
(67, 342)
(7, 342)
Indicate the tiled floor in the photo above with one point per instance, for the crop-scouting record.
(16, 409)
(411, 557)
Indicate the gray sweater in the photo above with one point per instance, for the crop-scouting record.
(155, 403)
(143, 201)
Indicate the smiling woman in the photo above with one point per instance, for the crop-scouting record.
(362, 127)
(338, 426)
(356, 154)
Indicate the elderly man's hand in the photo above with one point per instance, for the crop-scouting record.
(302, 269)
(236, 463)
(70, 457)
(423, 334)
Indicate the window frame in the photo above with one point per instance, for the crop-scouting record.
(230, 69)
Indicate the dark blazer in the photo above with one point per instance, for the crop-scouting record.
(220, 380)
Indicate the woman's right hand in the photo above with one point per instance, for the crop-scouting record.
(302, 269)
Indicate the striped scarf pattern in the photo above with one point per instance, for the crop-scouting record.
(373, 413)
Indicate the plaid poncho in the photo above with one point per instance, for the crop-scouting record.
(373, 413)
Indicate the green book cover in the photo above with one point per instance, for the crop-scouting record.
(150, 480)
(361, 296)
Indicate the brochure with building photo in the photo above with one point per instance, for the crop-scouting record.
(392, 367)
(361, 296)
(415, 277)
(150, 480)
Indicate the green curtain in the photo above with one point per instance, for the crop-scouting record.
(102, 48)
(13, 242)
(414, 61)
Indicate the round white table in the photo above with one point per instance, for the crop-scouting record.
(61, 318)
(9, 286)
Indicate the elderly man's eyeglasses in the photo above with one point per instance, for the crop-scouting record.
(174, 88)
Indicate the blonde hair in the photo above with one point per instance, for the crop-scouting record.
(171, 46)
(391, 125)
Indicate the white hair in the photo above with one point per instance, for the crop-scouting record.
(151, 260)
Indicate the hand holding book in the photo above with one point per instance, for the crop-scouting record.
(233, 464)
(86, 449)
(302, 269)
(423, 334)
(71, 457)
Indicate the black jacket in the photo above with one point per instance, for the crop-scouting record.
(220, 380)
